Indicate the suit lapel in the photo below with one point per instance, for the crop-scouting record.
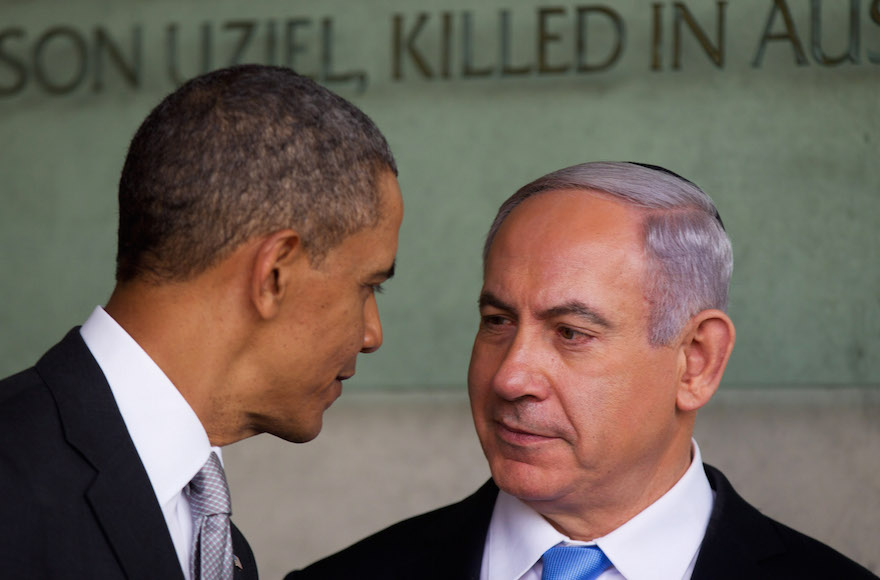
(121, 495)
(484, 505)
(738, 536)
(245, 565)
(469, 528)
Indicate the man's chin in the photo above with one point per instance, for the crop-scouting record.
(296, 433)
(524, 481)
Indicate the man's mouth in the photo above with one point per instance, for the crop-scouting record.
(517, 434)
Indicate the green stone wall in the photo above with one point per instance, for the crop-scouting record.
(770, 105)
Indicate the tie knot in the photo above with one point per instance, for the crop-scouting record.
(573, 563)
(208, 492)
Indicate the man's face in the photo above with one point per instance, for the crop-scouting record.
(329, 316)
(569, 398)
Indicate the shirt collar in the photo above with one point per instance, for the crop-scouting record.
(664, 538)
(661, 540)
(169, 438)
(518, 537)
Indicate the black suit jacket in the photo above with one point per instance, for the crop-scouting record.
(75, 499)
(448, 543)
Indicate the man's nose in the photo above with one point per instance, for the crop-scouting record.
(372, 326)
(522, 371)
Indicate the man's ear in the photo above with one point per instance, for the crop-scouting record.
(706, 346)
(276, 256)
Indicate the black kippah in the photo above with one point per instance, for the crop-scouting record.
(674, 174)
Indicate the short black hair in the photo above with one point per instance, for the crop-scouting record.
(242, 152)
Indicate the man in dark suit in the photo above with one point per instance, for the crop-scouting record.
(258, 214)
(602, 332)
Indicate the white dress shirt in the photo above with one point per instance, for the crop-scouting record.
(169, 438)
(660, 543)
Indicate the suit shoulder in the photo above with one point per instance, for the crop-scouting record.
(34, 449)
(29, 387)
(25, 405)
(742, 542)
(12, 386)
(816, 558)
(424, 542)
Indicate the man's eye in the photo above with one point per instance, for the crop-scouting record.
(493, 320)
(570, 334)
(377, 288)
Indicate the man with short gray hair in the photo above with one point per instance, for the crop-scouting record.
(603, 329)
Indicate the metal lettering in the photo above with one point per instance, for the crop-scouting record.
(131, 71)
(583, 13)
(852, 53)
(874, 57)
(327, 73)
(790, 34)
(271, 43)
(247, 32)
(79, 52)
(18, 68)
(292, 48)
(507, 69)
(467, 50)
(545, 38)
(172, 56)
(399, 45)
(657, 36)
(446, 45)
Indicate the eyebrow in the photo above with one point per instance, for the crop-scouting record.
(579, 309)
(572, 307)
(489, 299)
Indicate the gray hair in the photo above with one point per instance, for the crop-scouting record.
(690, 259)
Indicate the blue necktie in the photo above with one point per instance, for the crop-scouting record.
(574, 563)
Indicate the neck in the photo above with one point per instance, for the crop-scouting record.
(191, 332)
(595, 512)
